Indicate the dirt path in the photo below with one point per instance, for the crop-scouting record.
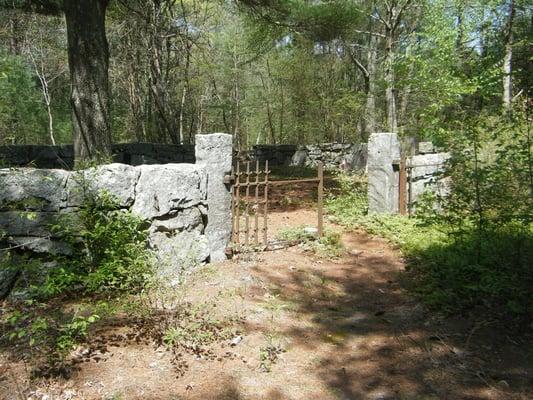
(314, 329)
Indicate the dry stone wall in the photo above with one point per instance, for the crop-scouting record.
(172, 198)
(62, 157)
(351, 157)
(424, 174)
(186, 206)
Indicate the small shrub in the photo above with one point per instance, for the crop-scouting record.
(269, 353)
(48, 334)
(329, 245)
(110, 251)
(348, 203)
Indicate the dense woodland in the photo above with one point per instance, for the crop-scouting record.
(278, 71)
(456, 72)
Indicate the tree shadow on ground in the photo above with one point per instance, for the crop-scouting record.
(374, 341)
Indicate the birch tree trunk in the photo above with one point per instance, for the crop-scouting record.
(507, 61)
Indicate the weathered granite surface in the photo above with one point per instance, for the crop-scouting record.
(426, 176)
(349, 157)
(214, 151)
(383, 178)
(172, 198)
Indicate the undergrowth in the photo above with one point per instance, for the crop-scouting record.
(107, 258)
(328, 245)
(452, 268)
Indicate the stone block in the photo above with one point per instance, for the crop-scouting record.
(426, 148)
(29, 223)
(165, 189)
(118, 179)
(425, 175)
(33, 189)
(188, 219)
(383, 178)
(179, 252)
(214, 151)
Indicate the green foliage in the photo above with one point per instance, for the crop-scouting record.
(109, 245)
(270, 352)
(47, 333)
(21, 113)
(348, 202)
(328, 245)
(478, 251)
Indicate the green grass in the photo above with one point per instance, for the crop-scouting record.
(450, 268)
(329, 245)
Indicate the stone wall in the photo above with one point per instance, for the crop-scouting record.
(62, 157)
(333, 155)
(176, 200)
(423, 173)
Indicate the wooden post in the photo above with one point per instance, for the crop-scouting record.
(265, 210)
(237, 215)
(247, 208)
(320, 199)
(402, 187)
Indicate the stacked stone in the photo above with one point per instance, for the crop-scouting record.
(62, 156)
(333, 156)
(172, 198)
(425, 175)
(276, 155)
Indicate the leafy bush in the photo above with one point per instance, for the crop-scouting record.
(478, 252)
(109, 245)
(109, 255)
(47, 333)
(348, 202)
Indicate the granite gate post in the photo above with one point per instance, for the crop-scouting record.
(383, 179)
(214, 151)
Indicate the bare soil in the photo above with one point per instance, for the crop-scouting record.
(311, 328)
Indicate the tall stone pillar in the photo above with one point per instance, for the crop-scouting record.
(214, 151)
(383, 178)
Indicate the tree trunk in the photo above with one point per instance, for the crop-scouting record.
(507, 61)
(370, 107)
(392, 123)
(88, 57)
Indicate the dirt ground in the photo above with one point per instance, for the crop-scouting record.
(309, 328)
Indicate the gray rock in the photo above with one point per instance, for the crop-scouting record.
(298, 159)
(426, 148)
(383, 179)
(311, 231)
(33, 223)
(41, 245)
(8, 277)
(215, 153)
(118, 179)
(165, 189)
(33, 189)
(425, 176)
(188, 219)
(180, 251)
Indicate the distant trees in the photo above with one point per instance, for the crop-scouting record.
(88, 58)
(274, 71)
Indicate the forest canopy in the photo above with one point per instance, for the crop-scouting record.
(277, 71)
